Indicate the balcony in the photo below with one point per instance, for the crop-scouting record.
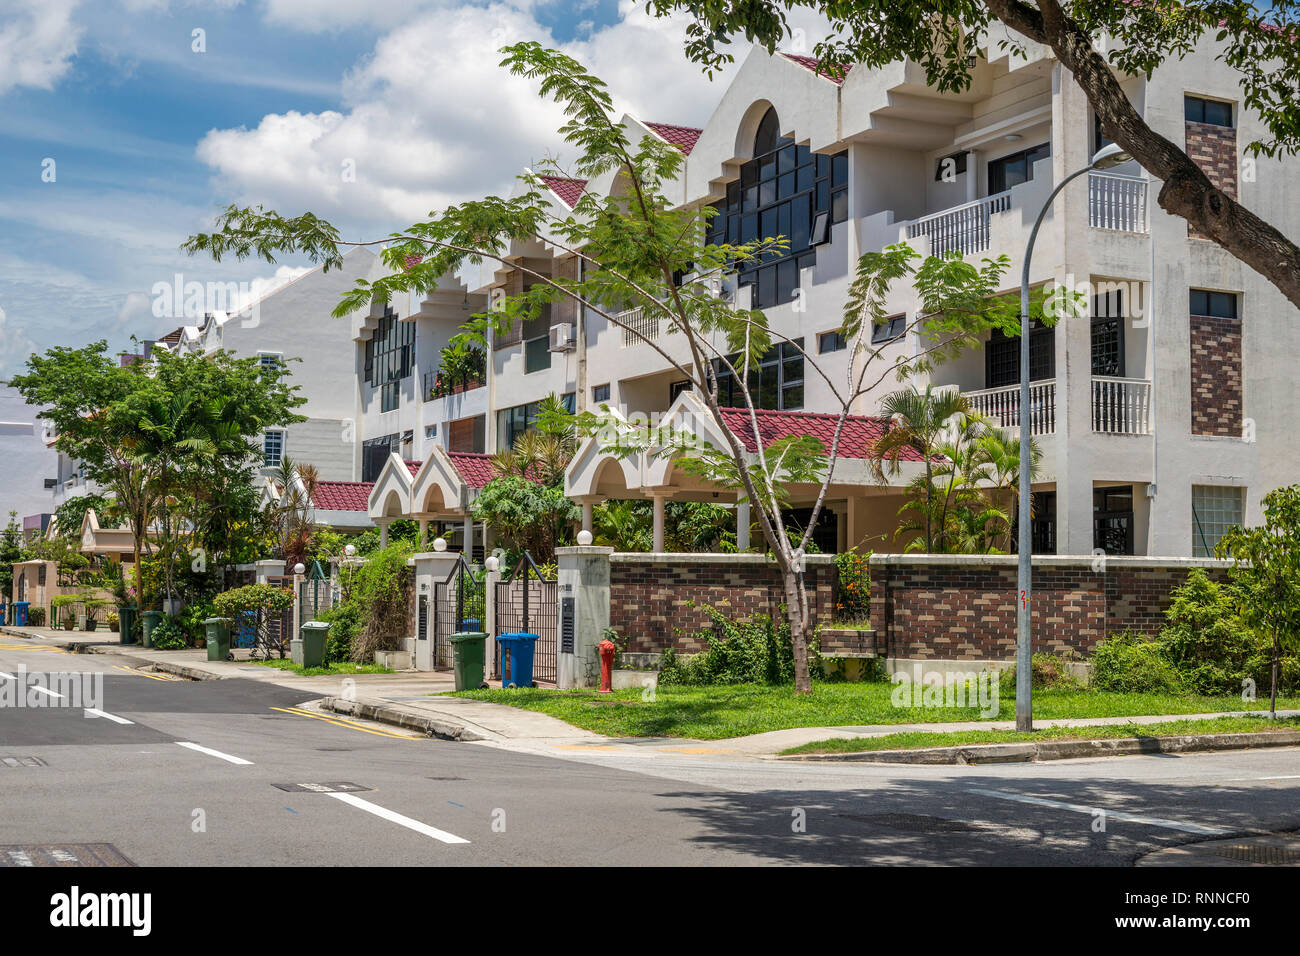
(636, 321)
(963, 229)
(1120, 406)
(1117, 203)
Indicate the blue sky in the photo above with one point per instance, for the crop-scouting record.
(149, 137)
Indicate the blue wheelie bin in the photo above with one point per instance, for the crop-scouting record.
(3, 608)
(520, 646)
(20, 613)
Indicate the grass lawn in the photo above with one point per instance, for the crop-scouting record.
(1254, 723)
(714, 713)
(346, 667)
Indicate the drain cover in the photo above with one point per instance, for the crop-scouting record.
(63, 854)
(1258, 853)
(339, 787)
(22, 762)
(912, 822)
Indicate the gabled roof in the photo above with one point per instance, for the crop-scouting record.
(342, 495)
(857, 439)
(683, 137)
(567, 190)
(474, 469)
(811, 63)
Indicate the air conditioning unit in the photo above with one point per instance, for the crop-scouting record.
(562, 338)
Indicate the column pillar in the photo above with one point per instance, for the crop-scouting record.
(584, 595)
(424, 534)
(659, 523)
(742, 526)
(588, 508)
(469, 536)
(383, 533)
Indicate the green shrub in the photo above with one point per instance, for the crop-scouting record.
(853, 587)
(1131, 663)
(36, 616)
(758, 651)
(344, 620)
(1051, 672)
(169, 635)
(1207, 641)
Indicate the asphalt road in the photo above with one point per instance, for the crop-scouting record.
(232, 772)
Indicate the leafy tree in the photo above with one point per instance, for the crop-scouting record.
(1098, 41)
(258, 605)
(638, 250)
(11, 551)
(527, 516)
(1266, 570)
(167, 440)
(70, 515)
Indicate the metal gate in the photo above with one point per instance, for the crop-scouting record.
(527, 603)
(458, 605)
(279, 627)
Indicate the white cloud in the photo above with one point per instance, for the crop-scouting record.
(37, 42)
(15, 345)
(432, 119)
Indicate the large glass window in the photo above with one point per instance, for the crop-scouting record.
(375, 452)
(272, 449)
(390, 357)
(1002, 358)
(1219, 305)
(785, 190)
(1215, 509)
(513, 422)
(1015, 169)
(777, 382)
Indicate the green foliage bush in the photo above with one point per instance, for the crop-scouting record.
(1131, 663)
(36, 616)
(1051, 672)
(1207, 641)
(169, 635)
(740, 652)
(344, 620)
(853, 586)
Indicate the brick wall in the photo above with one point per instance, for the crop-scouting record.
(1214, 149)
(654, 603)
(959, 608)
(1216, 376)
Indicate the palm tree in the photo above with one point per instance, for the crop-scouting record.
(1001, 455)
(920, 422)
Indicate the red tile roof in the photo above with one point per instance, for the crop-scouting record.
(342, 495)
(413, 467)
(810, 63)
(858, 437)
(569, 190)
(475, 470)
(683, 137)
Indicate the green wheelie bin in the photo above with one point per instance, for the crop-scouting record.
(469, 655)
(150, 620)
(217, 630)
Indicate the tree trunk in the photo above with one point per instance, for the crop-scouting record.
(1277, 661)
(796, 604)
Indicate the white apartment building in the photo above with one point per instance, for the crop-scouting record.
(1163, 416)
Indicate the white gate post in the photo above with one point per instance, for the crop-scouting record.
(490, 580)
(582, 614)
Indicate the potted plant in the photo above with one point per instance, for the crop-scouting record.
(112, 620)
(69, 620)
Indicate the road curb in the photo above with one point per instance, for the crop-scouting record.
(183, 670)
(1061, 749)
(387, 714)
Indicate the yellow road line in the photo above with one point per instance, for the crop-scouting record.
(139, 673)
(344, 723)
(39, 648)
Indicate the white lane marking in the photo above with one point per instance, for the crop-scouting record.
(214, 753)
(1110, 814)
(7, 676)
(397, 818)
(42, 690)
(94, 712)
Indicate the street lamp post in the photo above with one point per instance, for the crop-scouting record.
(1105, 158)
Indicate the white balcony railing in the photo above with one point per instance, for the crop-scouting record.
(1117, 202)
(634, 321)
(1002, 405)
(1121, 406)
(963, 229)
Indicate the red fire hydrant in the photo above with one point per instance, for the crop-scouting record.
(607, 650)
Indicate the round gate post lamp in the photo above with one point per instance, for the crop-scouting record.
(1106, 157)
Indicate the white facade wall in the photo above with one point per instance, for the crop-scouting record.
(896, 131)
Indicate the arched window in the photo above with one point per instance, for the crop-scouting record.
(785, 190)
(769, 133)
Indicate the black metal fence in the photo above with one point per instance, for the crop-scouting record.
(459, 604)
(527, 603)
